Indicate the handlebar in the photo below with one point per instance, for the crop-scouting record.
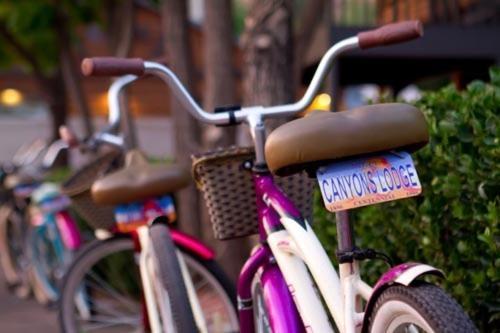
(52, 152)
(391, 34)
(111, 66)
(233, 116)
(253, 115)
(114, 118)
(385, 35)
(28, 153)
(71, 141)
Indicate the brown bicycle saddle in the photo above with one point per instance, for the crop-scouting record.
(326, 136)
(139, 180)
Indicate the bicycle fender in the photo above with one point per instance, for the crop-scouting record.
(186, 242)
(192, 245)
(403, 274)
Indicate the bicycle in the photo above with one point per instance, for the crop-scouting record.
(16, 188)
(171, 264)
(38, 231)
(54, 236)
(289, 284)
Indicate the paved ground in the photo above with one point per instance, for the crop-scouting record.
(23, 316)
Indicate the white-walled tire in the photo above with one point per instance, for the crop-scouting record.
(100, 260)
(418, 308)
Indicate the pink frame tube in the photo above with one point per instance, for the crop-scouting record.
(68, 228)
(192, 245)
(283, 314)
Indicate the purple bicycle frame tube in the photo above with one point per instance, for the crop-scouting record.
(283, 314)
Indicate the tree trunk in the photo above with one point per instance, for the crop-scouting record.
(187, 133)
(268, 49)
(70, 72)
(53, 87)
(220, 91)
(120, 18)
(219, 71)
(56, 95)
(310, 19)
(57, 99)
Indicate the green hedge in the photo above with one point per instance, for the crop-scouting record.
(454, 225)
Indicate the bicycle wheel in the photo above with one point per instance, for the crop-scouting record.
(13, 234)
(102, 291)
(49, 259)
(418, 308)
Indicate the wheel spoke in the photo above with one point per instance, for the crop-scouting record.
(100, 284)
(101, 322)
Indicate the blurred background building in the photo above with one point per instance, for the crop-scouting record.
(462, 40)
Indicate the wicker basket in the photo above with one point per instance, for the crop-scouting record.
(77, 187)
(229, 191)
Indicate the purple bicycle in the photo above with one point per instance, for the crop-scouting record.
(359, 157)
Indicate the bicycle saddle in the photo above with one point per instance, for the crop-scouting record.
(322, 137)
(138, 180)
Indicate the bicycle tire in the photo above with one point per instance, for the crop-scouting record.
(13, 233)
(98, 250)
(169, 272)
(428, 306)
(46, 276)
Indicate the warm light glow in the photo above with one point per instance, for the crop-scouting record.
(11, 97)
(321, 102)
(102, 104)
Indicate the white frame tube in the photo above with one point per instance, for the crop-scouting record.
(297, 244)
(147, 283)
(193, 298)
(299, 283)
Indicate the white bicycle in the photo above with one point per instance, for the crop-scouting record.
(140, 274)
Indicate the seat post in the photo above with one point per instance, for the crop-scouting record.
(345, 241)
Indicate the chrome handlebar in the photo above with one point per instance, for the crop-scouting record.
(107, 135)
(252, 115)
(248, 114)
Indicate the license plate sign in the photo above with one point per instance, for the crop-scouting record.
(368, 180)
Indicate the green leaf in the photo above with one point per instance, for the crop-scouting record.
(495, 76)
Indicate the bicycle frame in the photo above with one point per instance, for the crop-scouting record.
(295, 248)
(66, 226)
(56, 226)
(290, 260)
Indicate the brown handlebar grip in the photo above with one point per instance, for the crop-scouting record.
(391, 34)
(111, 66)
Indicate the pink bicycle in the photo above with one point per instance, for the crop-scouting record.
(359, 157)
